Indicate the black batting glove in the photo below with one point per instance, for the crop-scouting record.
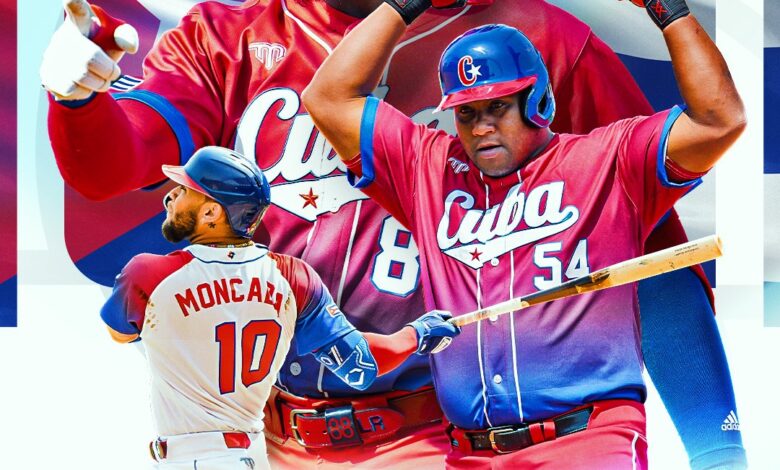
(664, 12)
(411, 9)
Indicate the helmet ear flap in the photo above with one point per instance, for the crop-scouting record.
(540, 106)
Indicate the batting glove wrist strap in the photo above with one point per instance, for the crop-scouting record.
(411, 9)
(434, 332)
(664, 12)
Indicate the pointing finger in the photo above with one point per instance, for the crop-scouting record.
(80, 13)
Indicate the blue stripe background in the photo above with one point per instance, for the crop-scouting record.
(772, 110)
(8, 304)
(106, 262)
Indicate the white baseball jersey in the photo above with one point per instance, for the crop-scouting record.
(216, 324)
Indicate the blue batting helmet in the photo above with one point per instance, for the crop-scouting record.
(493, 61)
(229, 178)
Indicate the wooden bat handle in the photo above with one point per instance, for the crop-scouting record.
(635, 269)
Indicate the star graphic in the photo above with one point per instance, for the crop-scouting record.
(310, 199)
(474, 71)
(658, 8)
(475, 254)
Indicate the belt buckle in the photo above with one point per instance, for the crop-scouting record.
(294, 423)
(498, 432)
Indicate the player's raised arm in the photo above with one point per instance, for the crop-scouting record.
(336, 95)
(715, 116)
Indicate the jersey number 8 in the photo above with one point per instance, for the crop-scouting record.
(397, 265)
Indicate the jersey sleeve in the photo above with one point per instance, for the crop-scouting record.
(125, 309)
(106, 147)
(641, 165)
(597, 91)
(390, 148)
(182, 83)
(320, 322)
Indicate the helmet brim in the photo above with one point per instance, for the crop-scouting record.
(485, 92)
(177, 174)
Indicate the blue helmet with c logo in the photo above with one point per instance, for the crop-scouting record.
(493, 61)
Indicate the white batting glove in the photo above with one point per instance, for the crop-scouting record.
(73, 65)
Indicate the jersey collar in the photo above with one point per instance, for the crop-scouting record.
(209, 254)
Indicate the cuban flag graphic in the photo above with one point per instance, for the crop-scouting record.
(772, 163)
(8, 185)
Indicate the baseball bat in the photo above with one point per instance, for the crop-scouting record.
(636, 269)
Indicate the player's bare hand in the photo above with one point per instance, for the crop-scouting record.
(83, 54)
(434, 332)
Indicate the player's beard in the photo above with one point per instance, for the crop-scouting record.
(180, 227)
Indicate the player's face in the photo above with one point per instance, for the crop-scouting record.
(494, 134)
(181, 207)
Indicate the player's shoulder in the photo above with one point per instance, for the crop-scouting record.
(618, 132)
(290, 264)
(148, 267)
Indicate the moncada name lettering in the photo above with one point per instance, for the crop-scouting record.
(492, 232)
(225, 291)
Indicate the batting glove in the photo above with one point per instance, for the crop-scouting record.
(664, 12)
(411, 9)
(434, 332)
(82, 56)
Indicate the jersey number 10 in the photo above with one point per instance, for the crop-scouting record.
(254, 366)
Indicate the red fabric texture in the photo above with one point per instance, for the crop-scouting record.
(104, 149)
(301, 277)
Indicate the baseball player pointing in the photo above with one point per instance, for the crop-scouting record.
(217, 319)
(191, 97)
(530, 209)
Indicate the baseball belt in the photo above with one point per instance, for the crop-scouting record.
(349, 421)
(507, 439)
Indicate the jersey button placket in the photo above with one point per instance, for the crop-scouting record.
(496, 346)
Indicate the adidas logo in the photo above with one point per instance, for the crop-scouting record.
(731, 423)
